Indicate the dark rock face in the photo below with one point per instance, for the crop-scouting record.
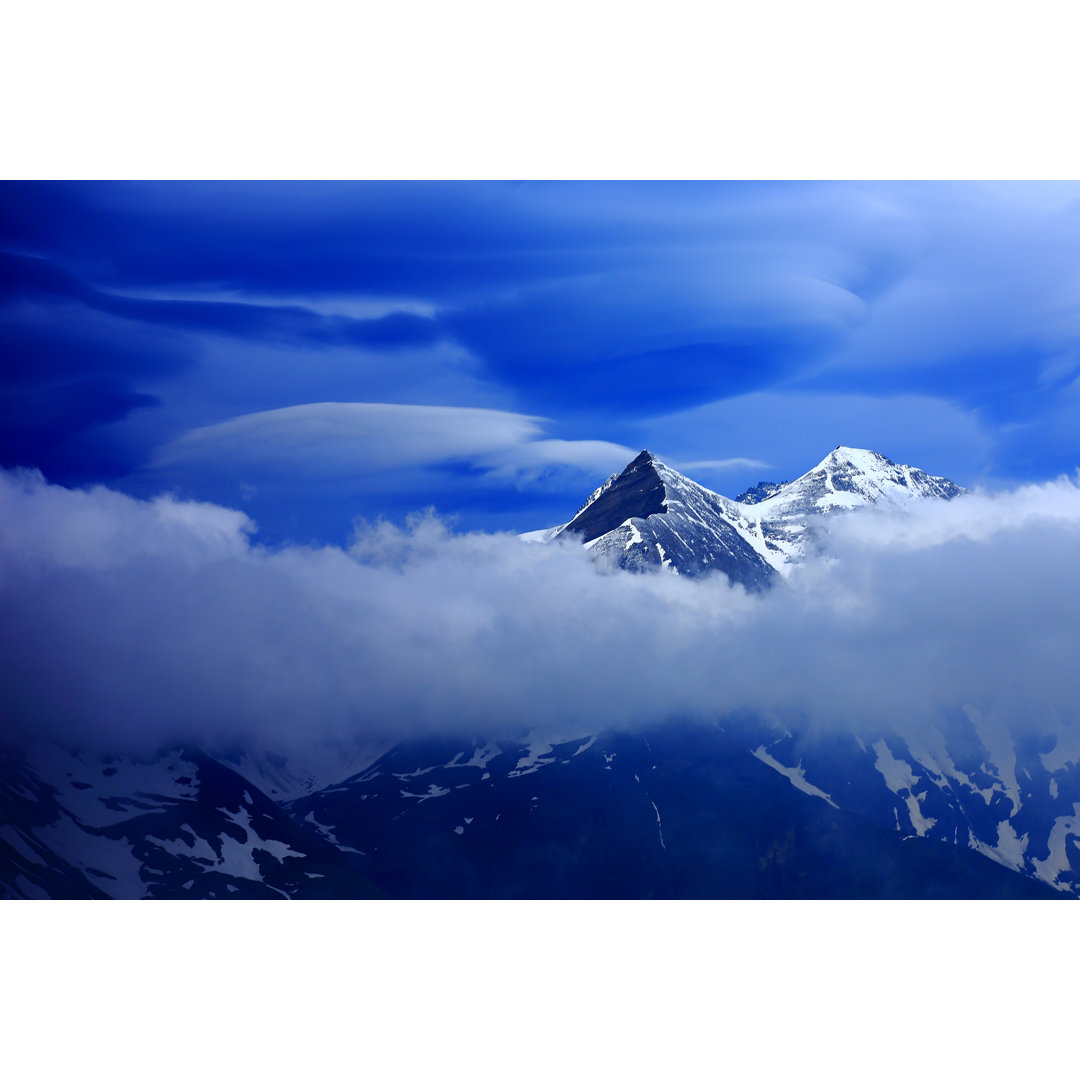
(638, 492)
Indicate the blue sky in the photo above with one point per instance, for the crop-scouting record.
(314, 352)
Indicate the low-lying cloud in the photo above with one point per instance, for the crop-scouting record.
(126, 622)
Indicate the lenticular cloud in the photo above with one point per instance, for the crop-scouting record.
(128, 622)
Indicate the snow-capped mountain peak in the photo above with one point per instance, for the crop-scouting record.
(652, 515)
(848, 478)
(867, 460)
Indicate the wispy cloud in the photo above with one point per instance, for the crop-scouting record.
(331, 439)
(721, 465)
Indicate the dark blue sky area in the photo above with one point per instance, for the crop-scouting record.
(314, 352)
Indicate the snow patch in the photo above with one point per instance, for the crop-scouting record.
(901, 781)
(433, 792)
(534, 760)
(1057, 861)
(797, 775)
(480, 757)
(327, 833)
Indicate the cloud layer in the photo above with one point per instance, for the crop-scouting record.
(127, 621)
(707, 321)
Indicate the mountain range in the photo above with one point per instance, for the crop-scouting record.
(741, 807)
(651, 515)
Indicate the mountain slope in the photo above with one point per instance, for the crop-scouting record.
(675, 811)
(176, 825)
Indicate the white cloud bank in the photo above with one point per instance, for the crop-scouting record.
(124, 621)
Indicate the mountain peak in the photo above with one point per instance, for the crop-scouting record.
(862, 460)
(637, 492)
(849, 477)
(649, 516)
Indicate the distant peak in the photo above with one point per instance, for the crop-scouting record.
(764, 489)
(646, 457)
